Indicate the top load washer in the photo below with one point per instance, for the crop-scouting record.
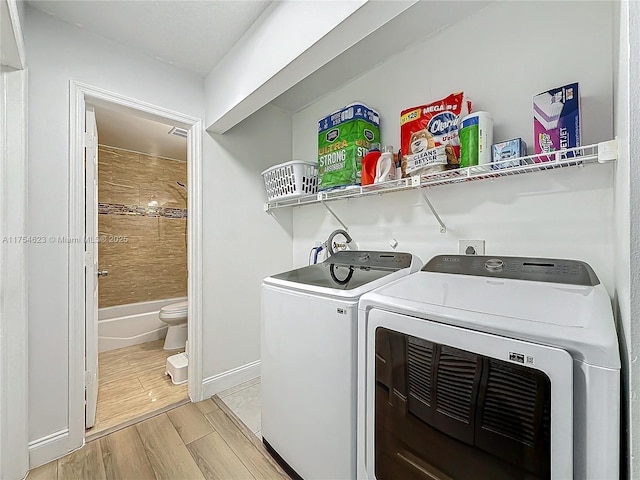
(308, 361)
(489, 367)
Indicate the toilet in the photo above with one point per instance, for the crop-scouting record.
(175, 316)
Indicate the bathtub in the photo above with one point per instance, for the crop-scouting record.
(125, 325)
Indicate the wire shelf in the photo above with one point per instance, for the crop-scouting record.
(603, 152)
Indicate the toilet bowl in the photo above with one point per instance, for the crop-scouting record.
(175, 316)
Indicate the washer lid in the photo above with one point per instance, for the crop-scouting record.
(348, 274)
(574, 317)
(347, 270)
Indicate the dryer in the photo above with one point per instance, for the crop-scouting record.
(489, 368)
(308, 360)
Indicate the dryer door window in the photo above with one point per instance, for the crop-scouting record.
(446, 413)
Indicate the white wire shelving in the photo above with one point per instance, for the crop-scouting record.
(599, 153)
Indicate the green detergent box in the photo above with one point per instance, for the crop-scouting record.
(344, 138)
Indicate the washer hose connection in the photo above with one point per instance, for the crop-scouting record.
(340, 231)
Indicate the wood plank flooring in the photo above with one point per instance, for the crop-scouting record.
(132, 385)
(195, 441)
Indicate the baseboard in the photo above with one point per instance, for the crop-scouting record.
(48, 448)
(216, 384)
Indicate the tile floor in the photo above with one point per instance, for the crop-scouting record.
(133, 385)
(244, 401)
(134, 376)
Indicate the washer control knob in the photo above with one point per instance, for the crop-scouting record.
(494, 265)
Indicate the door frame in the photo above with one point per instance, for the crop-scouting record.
(82, 94)
(14, 401)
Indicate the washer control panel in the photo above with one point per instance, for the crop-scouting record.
(570, 272)
(494, 265)
(356, 258)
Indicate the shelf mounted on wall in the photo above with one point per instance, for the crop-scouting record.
(599, 153)
(332, 212)
(443, 227)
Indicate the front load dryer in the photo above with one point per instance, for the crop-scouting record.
(494, 368)
(308, 362)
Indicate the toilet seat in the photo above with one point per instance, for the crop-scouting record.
(174, 311)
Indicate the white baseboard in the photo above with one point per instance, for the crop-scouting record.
(48, 448)
(218, 383)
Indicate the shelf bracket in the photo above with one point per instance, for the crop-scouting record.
(334, 215)
(608, 151)
(443, 227)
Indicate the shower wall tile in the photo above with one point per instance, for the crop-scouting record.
(143, 247)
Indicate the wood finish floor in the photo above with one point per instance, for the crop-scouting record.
(133, 385)
(202, 440)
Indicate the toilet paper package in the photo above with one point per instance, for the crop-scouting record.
(344, 138)
(429, 138)
(556, 123)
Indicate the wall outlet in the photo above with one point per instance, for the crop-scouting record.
(471, 247)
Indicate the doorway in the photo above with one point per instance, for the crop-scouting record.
(83, 344)
(138, 194)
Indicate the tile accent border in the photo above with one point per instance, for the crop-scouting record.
(141, 211)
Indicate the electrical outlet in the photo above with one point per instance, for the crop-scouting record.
(471, 247)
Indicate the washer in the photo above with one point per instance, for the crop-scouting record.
(308, 361)
(489, 367)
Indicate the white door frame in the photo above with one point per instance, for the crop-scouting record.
(80, 95)
(14, 415)
(14, 400)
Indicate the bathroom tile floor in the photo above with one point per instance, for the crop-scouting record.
(244, 401)
(133, 385)
(195, 441)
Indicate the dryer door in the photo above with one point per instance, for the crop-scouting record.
(450, 403)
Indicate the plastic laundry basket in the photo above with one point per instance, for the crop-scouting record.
(291, 179)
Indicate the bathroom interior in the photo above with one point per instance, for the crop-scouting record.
(142, 259)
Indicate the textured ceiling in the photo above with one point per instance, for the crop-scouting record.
(122, 130)
(189, 34)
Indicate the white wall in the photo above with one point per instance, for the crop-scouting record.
(57, 53)
(242, 244)
(500, 57)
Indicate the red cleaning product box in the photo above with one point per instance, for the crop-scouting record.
(556, 119)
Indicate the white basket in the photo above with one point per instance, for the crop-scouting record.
(291, 179)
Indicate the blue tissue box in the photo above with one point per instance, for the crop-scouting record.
(500, 152)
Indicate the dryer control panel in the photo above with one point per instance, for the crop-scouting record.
(570, 272)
